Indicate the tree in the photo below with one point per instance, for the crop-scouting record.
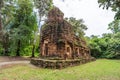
(114, 4)
(114, 26)
(6, 13)
(109, 3)
(1, 5)
(24, 25)
(36, 39)
(43, 7)
(94, 46)
(99, 45)
(113, 49)
(20, 23)
(78, 26)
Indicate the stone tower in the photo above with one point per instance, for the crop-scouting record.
(59, 40)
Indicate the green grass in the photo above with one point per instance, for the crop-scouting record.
(98, 70)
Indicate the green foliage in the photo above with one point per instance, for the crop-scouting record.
(78, 26)
(1, 49)
(113, 4)
(20, 28)
(43, 6)
(109, 3)
(112, 41)
(114, 46)
(95, 47)
(107, 46)
(19, 24)
(25, 24)
(115, 26)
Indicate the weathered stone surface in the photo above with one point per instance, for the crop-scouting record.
(59, 46)
(59, 40)
(59, 64)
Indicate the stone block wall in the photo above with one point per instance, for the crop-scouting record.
(59, 64)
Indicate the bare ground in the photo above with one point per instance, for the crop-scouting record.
(7, 61)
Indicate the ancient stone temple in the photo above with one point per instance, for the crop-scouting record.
(59, 40)
(59, 46)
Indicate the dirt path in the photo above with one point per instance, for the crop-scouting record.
(6, 62)
(12, 63)
(9, 59)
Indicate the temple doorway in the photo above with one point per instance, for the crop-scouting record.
(46, 49)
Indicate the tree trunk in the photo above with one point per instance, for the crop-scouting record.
(18, 48)
(5, 44)
(5, 52)
(40, 53)
(0, 24)
(33, 51)
(0, 28)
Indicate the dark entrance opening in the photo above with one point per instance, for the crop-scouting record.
(46, 49)
(68, 49)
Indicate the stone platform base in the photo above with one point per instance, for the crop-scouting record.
(58, 64)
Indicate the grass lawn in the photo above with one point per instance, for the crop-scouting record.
(98, 70)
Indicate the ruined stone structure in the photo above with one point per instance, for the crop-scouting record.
(59, 46)
(59, 40)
